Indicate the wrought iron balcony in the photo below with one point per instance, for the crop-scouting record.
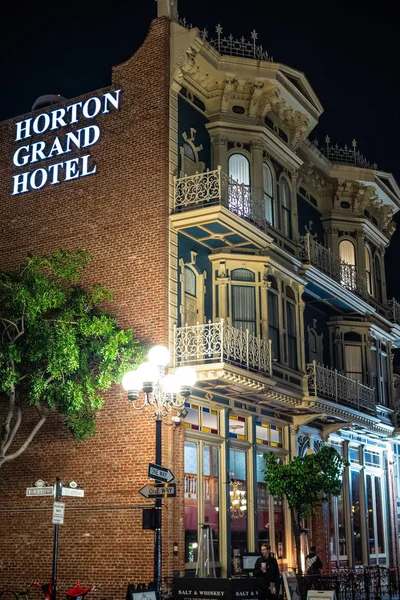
(213, 188)
(325, 260)
(220, 342)
(394, 311)
(330, 384)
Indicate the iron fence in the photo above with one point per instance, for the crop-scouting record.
(368, 583)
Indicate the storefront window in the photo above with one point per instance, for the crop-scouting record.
(379, 516)
(263, 500)
(279, 521)
(355, 508)
(238, 473)
(191, 500)
(211, 495)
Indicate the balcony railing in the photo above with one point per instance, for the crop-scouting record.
(213, 188)
(220, 342)
(331, 384)
(394, 311)
(322, 258)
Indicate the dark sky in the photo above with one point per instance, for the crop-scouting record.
(348, 50)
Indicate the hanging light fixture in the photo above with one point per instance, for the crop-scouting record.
(238, 508)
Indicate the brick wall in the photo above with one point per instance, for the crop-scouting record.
(121, 215)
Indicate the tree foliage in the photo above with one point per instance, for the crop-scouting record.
(305, 482)
(59, 350)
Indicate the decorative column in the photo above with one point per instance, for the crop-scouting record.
(222, 282)
(219, 155)
(363, 509)
(348, 516)
(225, 523)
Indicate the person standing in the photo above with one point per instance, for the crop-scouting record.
(313, 562)
(267, 570)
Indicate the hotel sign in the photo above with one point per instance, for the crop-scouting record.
(35, 151)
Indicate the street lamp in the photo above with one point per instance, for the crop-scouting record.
(149, 386)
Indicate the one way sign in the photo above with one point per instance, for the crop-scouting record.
(160, 473)
(163, 491)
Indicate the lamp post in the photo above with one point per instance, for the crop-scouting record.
(149, 386)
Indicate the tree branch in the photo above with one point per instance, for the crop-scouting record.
(25, 445)
(14, 430)
(7, 421)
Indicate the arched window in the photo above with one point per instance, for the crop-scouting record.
(347, 254)
(239, 168)
(268, 194)
(368, 270)
(286, 223)
(190, 282)
(244, 300)
(273, 317)
(291, 328)
(378, 278)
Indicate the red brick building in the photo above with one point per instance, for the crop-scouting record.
(192, 181)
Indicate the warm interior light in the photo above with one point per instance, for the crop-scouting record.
(159, 356)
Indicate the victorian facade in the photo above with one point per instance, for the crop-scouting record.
(258, 256)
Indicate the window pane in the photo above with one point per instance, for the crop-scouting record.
(237, 464)
(341, 527)
(237, 427)
(244, 308)
(279, 520)
(368, 270)
(355, 508)
(262, 503)
(239, 168)
(191, 500)
(268, 195)
(190, 282)
(242, 275)
(378, 279)
(211, 498)
(273, 323)
(370, 517)
(379, 515)
(291, 331)
(347, 252)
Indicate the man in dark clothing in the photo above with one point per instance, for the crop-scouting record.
(313, 562)
(267, 570)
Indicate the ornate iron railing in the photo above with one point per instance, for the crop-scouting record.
(217, 188)
(325, 260)
(364, 583)
(231, 46)
(331, 384)
(394, 311)
(220, 342)
(344, 154)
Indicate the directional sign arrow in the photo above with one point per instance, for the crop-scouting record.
(164, 491)
(160, 473)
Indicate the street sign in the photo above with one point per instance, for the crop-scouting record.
(58, 513)
(160, 473)
(163, 491)
(72, 492)
(40, 491)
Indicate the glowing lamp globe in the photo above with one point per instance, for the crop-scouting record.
(170, 384)
(132, 381)
(159, 356)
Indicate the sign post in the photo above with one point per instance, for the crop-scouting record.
(57, 490)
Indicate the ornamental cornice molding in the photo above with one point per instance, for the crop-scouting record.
(363, 197)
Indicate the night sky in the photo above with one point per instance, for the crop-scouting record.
(348, 51)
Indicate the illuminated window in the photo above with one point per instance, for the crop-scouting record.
(201, 418)
(237, 427)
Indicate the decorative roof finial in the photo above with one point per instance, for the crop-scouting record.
(167, 8)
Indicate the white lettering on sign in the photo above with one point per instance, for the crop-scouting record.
(37, 151)
(58, 513)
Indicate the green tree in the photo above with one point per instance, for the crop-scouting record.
(59, 350)
(306, 482)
